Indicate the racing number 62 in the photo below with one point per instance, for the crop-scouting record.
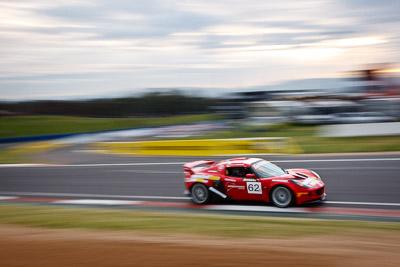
(254, 188)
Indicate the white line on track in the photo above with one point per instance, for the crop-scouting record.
(253, 208)
(90, 195)
(7, 198)
(181, 163)
(97, 202)
(13, 195)
(362, 203)
(337, 160)
(146, 171)
(357, 168)
(90, 165)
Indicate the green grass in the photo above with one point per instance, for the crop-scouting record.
(208, 225)
(304, 137)
(17, 126)
(8, 156)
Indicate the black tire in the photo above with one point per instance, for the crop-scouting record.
(282, 197)
(200, 194)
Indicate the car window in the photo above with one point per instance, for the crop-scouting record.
(237, 171)
(267, 169)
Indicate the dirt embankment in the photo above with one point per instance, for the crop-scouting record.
(23, 246)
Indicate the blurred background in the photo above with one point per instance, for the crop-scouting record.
(360, 115)
(287, 69)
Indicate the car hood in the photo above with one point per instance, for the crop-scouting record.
(305, 177)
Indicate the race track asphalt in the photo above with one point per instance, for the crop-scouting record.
(370, 178)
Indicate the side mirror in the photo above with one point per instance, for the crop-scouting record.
(251, 176)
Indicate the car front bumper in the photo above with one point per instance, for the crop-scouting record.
(186, 193)
(311, 195)
(316, 200)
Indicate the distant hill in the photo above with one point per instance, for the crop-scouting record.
(329, 84)
(334, 84)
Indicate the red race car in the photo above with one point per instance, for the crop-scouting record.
(251, 179)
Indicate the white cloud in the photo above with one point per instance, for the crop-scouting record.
(228, 43)
(359, 41)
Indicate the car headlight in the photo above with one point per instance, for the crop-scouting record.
(316, 174)
(301, 184)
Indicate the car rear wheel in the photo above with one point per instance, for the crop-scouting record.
(200, 194)
(282, 197)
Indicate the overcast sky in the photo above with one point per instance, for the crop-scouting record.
(73, 48)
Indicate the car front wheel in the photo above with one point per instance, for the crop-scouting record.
(282, 197)
(200, 194)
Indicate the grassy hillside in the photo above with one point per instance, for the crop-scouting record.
(17, 126)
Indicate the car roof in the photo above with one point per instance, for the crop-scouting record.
(240, 162)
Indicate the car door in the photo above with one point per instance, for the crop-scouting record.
(241, 188)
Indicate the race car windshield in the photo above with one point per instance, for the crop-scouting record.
(265, 169)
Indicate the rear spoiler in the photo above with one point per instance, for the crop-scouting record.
(189, 166)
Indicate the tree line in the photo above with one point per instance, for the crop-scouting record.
(151, 104)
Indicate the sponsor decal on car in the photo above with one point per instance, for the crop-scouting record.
(278, 180)
(311, 181)
(202, 178)
(241, 187)
(199, 178)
